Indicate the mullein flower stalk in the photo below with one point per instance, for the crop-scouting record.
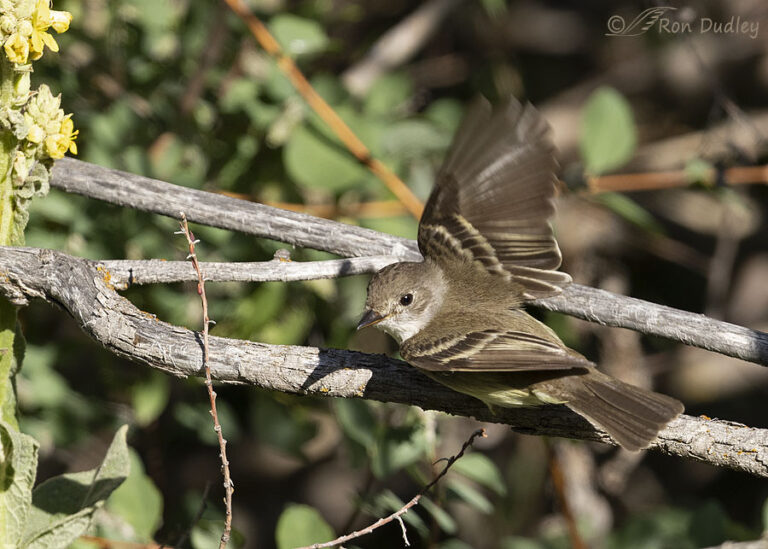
(34, 131)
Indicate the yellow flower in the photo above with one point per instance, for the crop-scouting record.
(41, 21)
(17, 49)
(58, 144)
(60, 20)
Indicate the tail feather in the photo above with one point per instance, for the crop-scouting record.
(631, 415)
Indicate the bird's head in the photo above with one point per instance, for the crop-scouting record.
(403, 298)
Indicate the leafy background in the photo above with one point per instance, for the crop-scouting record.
(177, 90)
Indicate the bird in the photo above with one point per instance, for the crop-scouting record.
(488, 248)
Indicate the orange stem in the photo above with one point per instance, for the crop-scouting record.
(318, 104)
(676, 178)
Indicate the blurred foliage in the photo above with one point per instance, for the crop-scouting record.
(301, 525)
(60, 509)
(608, 134)
(177, 90)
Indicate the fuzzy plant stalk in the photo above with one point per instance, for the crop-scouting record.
(34, 131)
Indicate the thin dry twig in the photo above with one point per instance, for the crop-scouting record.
(318, 104)
(624, 182)
(404, 509)
(229, 486)
(650, 181)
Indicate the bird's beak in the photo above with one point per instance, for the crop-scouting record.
(370, 318)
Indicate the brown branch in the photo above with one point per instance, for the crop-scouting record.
(716, 142)
(83, 289)
(370, 209)
(649, 181)
(129, 272)
(591, 304)
(404, 509)
(301, 230)
(624, 182)
(228, 484)
(318, 104)
(152, 195)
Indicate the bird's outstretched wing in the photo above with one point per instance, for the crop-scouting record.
(492, 200)
(491, 350)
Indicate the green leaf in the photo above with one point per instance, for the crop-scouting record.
(413, 138)
(405, 225)
(207, 534)
(301, 525)
(396, 448)
(283, 426)
(516, 542)
(297, 35)
(454, 543)
(314, 161)
(197, 417)
(150, 397)
(278, 88)
(138, 501)
(356, 420)
(481, 469)
(240, 92)
(441, 516)
(110, 129)
(39, 384)
(178, 161)
(18, 467)
(289, 329)
(63, 505)
(469, 495)
(254, 311)
(699, 171)
(765, 515)
(387, 502)
(329, 87)
(608, 134)
(709, 525)
(630, 210)
(445, 113)
(388, 93)
(663, 528)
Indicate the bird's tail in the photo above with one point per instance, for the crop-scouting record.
(631, 415)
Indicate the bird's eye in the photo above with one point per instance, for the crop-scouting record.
(406, 300)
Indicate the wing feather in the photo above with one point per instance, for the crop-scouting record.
(492, 201)
(491, 351)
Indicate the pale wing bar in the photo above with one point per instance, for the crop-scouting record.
(491, 350)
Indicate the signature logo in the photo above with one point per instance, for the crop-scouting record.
(639, 25)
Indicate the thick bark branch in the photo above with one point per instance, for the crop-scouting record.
(303, 230)
(215, 210)
(82, 287)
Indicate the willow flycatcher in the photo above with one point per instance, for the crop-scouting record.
(488, 248)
